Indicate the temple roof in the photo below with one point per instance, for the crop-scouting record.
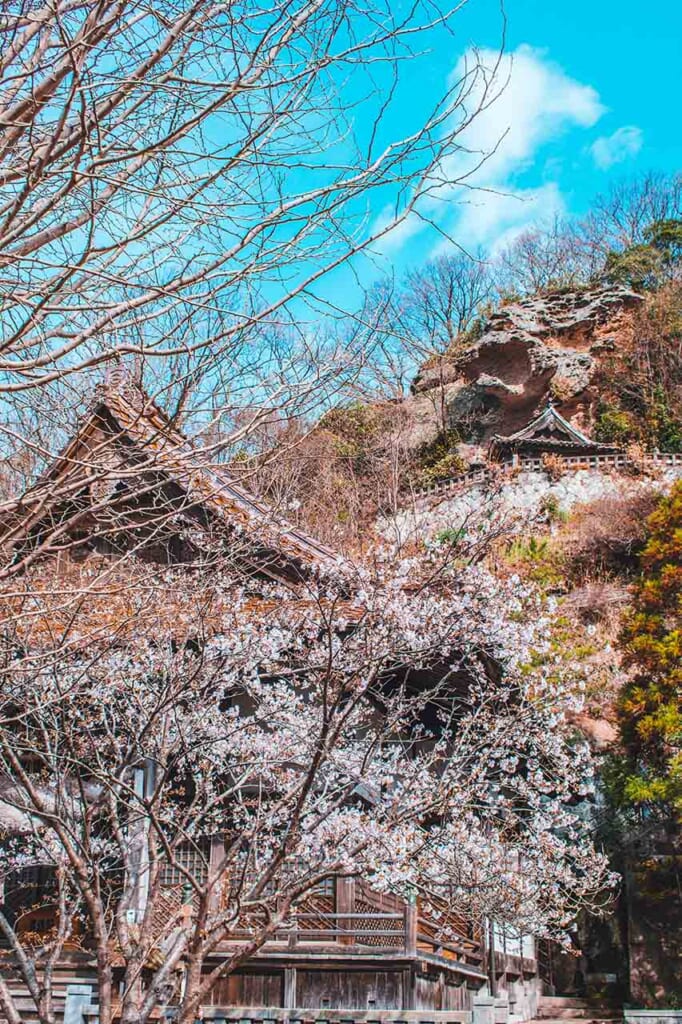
(125, 435)
(549, 431)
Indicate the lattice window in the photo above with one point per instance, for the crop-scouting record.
(320, 901)
(372, 923)
(193, 857)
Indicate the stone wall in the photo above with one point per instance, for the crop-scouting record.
(515, 500)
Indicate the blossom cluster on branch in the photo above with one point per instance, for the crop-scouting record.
(404, 723)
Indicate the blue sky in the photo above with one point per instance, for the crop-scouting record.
(594, 95)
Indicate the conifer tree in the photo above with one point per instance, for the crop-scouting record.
(650, 707)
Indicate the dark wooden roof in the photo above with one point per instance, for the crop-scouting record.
(125, 435)
(548, 432)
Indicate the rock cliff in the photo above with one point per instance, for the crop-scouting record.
(525, 351)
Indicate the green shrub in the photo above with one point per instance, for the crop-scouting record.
(638, 267)
(650, 708)
(439, 460)
(537, 559)
(451, 536)
(664, 424)
(550, 507)
(356, 428)
(614, 425)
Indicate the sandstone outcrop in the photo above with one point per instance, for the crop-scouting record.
(527, 350)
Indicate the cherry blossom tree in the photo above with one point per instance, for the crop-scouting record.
(405, 724)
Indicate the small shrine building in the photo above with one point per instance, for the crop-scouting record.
(549, 433)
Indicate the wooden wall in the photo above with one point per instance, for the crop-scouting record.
(249, 988)
(349, 989)
(337, 988)
(436, 992)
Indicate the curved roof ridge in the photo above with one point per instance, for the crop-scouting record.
(128, 408)
(549, 419)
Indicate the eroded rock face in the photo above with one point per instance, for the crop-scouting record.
(528, 349)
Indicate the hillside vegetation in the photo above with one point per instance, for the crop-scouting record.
(566, 311)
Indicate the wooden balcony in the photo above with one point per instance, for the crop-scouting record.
(350, 921)
(345, 921)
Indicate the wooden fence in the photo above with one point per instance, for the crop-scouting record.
(529, 463)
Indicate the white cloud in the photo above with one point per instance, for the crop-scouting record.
(532, 101)
(527, 102)
(614, 149)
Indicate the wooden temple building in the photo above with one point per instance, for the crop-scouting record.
(548, 434)
(347, 947)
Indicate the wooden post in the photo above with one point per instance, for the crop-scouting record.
(216, 853)
(138, 827)
(440, 991)
(492, 974)
(289, 988)
(410, 992)
(411, 919)
(345, 904)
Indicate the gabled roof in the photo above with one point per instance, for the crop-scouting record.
(550, 424)
(126, 428)
(549, 431)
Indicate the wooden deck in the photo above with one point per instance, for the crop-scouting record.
(353, 921)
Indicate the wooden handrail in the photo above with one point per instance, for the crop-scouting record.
(484, 474)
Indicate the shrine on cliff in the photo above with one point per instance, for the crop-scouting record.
(548, 434)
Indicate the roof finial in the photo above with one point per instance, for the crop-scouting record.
(116, 376)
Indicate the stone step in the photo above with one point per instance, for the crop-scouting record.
(567, 1008)
(579, 1013)
(587, 1019)
(563, 1001)
(583, 1001)
(562, 1012)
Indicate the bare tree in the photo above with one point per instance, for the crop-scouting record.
(566, 253)
(620, 217)
(432, 307)
(423, 319)
(440, 301)
(544, 257)
(172, 175)
(177, 180)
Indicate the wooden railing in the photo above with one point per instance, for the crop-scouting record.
(381, 931)
(484, 474)
(347, 917)
(252, 1015)
(358, 920)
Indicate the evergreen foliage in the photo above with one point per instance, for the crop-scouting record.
(647, 264)
(650, 707)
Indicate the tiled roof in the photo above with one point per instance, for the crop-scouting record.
(549, 430)
(550, 421)
(138, 420)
